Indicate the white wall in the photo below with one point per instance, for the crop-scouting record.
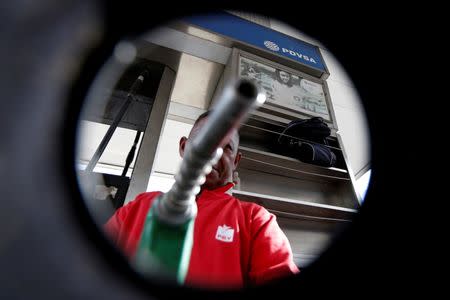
(89, 137)
(350, 115)
(167, 158)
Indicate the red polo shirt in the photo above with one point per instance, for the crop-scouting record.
(235, 242)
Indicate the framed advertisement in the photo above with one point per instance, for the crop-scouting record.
(285, 87)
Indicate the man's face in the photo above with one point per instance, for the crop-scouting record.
(285, 77)
(222, 171)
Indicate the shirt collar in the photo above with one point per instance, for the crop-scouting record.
(226, 189)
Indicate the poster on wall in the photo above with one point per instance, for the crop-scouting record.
(285, 89)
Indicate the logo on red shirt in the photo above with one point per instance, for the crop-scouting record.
(225, 233)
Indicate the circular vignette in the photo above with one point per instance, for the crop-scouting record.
(115, 30)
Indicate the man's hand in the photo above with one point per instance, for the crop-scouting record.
(236, 181)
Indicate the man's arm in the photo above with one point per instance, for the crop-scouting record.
(114, 224)
(125, 226)
(271, 255)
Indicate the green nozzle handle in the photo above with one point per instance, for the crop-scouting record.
(164, 249)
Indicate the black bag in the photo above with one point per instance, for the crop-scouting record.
(306, 141)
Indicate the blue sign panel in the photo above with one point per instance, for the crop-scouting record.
(260, 36)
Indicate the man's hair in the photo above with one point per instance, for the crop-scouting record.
(278, 77)
(202, 116)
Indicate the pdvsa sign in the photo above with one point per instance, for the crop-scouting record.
(274, 47)
(254, 35)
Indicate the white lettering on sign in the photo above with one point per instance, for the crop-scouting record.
(225, 233)
(274, 47)
(299, 55)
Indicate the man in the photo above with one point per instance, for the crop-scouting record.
(286, 91)
(284, 77)
(235, 243)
